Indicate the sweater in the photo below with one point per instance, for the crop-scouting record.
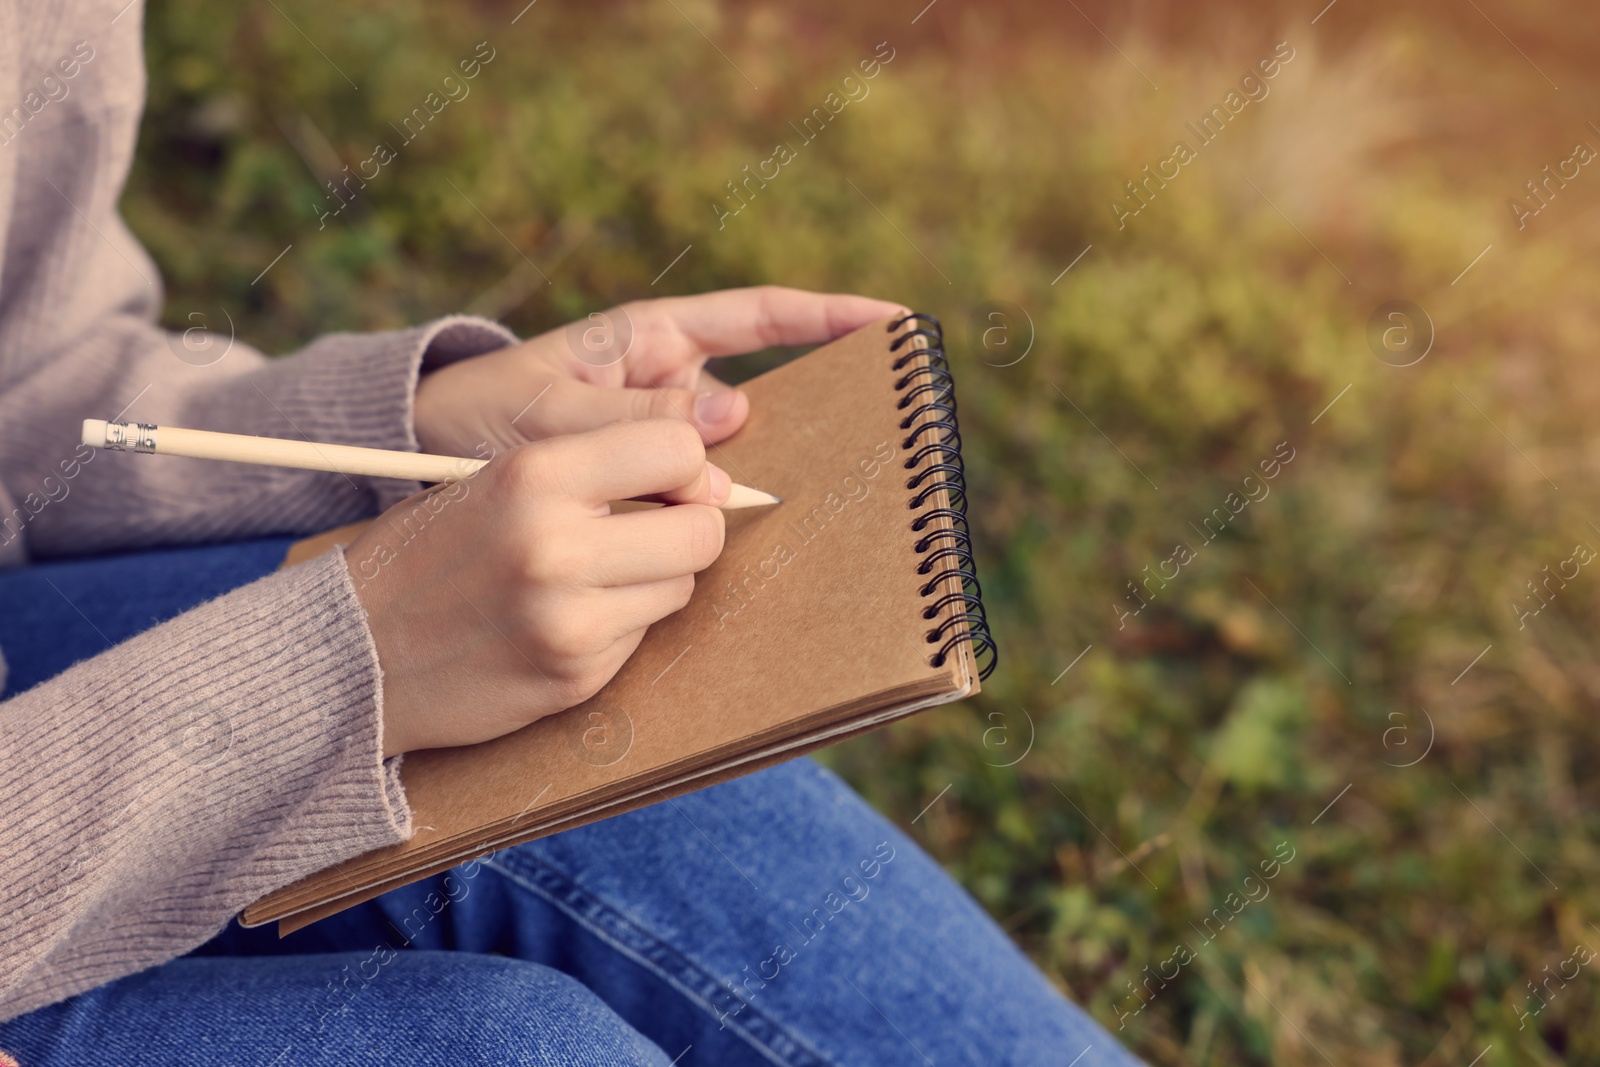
(119, 849)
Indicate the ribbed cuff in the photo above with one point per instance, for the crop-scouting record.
(360, 388)
(164, 785)
(330, 667)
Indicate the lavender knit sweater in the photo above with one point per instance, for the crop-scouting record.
(116, 851)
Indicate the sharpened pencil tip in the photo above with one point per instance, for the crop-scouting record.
(742, 496)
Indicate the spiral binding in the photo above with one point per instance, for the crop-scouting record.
(930, 388)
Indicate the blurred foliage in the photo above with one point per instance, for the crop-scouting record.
(1301, 684)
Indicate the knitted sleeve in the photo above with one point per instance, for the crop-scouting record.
(155, 790)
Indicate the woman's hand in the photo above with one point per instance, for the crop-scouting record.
(639, 360)
(515, 593)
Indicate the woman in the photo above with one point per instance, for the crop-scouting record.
(179, 772)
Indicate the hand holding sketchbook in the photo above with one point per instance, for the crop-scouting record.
(850, 604)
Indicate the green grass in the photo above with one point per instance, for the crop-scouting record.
(1300, 656)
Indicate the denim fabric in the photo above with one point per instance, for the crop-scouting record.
(776, 919)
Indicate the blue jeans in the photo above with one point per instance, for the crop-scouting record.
(775, 919)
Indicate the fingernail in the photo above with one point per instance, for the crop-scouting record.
(721, 484)
(714, 407)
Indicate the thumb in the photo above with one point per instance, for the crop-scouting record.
(574, 407)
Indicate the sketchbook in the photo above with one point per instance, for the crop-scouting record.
(852, 603)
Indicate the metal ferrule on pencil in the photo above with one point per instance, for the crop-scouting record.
(131, 436)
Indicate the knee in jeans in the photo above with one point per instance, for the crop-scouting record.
(490, 1010)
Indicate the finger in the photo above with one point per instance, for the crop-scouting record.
(621, 461)
(676, 331)
(712, 489)
(654, 545)
(635, 607)
(694, 376)
(575, 406)
(718, 409)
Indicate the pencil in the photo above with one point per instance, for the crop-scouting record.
(311, 456)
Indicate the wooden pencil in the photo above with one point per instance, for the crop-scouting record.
(310, 455)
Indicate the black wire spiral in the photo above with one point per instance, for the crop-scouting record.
(925, 389)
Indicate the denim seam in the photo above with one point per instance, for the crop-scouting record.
(655, 954)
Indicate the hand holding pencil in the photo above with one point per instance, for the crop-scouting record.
(526, 544)
(510, 590)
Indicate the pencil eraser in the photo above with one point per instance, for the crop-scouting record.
(94, 432)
